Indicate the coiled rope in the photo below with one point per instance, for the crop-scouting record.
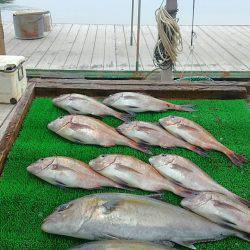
(170, 40)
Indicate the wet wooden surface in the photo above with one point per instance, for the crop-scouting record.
(106, 47)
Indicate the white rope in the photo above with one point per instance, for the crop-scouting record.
(170, 40)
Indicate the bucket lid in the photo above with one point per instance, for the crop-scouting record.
(30, 12)
(10, 62)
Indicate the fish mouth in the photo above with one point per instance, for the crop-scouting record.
(36, 168)
(60, 98)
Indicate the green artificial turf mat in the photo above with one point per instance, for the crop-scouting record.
(26, 200)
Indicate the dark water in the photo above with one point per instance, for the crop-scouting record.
(119, 11)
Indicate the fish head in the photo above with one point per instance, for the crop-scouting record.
(125, 127)
(62, 101)
(40, 165)
(101, 162)
(74, 218)
(59, 123)
(162, 159)
(110, 100)
(170, 120)
(195, 202)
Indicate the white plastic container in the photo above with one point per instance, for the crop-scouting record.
(13, 80)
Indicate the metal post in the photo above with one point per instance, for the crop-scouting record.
(172, 8)
(2, 46)
(132, 22)
(138, 36)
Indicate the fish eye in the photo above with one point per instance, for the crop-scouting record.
(64, 207)
(102, 156)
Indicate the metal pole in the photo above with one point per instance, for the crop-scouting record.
(192, 32)
(138, 35)
(132, 22)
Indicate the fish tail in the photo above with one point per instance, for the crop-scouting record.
(187, 108)
(199, 151)
(124, 117)
(237, 159)
(243, 235)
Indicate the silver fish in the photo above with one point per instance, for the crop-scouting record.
(68, 172)
(87, 130)
(189, 175)
(84, 105)
(221, 209)
(152, 134)
(136, 102)
(131, 172)
(121, 245)
(198, 136)
(132, 217)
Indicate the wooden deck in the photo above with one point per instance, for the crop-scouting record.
(106, 48)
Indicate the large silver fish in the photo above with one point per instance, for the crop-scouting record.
(220, 209)
(68, 172)
(150, 133)
(132, 217)
(198, 136)
(189, 175)
(131, 172)
(84, 105)
(136, 102)
(121, 245)
(87, 130)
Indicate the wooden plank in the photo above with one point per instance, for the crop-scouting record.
(245, 30)
(121, 49)
(9, 35)
(110, 61)
(171, 91)
(88, 49)
(204, 59)
(97, 61)
(34, 44)
(64, 52)
(15, 124)
(224, 48)
(40, 51)
(55, 48)
(5, 110)
(230, 45)
(131, 50)
(76, 51)
(146, 59)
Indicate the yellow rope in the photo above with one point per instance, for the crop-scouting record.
(169, 36)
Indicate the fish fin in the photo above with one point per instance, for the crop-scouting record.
(74, 110)
(241, 200)
(123, 168)
(181, 168)
(77, 126)
(126, 117)
(243, 235)
(158, 196)
(165, 243)
(225, 205)
(110, 236)
(187, 108)
(141, 147)
(146, 129)
(182, 191)
(60, 184)
(228, 222)
(237, 159)
(186, 127)
(110, 206)
(199, 151)
(186, 244)
(76, 140)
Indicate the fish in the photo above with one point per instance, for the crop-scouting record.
(133, 217)
(189, 175)
(85, 105)
(121, 245)
(221, 209)
(67, 172)
(88, 130)
(135, 102)
(198, 136)
(152, 134)
(132, 172)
